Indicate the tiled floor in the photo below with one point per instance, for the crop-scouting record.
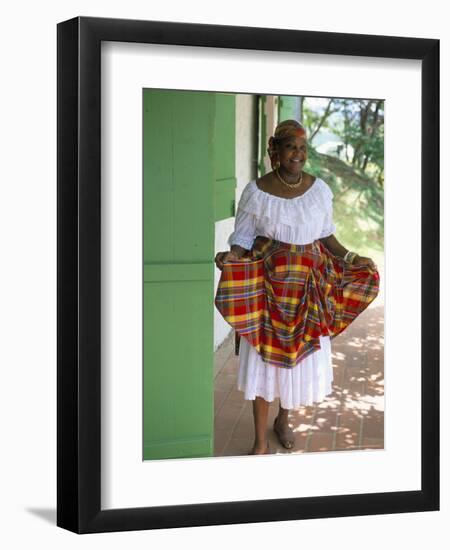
(352, 417)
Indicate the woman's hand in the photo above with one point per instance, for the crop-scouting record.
(362, 260)
(224, 257)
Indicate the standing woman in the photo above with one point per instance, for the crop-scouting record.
(288, 286)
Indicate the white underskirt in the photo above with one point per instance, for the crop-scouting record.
(305, 384)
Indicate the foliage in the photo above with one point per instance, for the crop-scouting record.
(358, 204)
(359, 124)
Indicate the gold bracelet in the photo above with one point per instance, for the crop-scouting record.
(350, 256)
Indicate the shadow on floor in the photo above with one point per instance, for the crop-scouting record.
(351, 417)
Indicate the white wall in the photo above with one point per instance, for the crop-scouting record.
(223, 230)
(245, 121)
(28, 274)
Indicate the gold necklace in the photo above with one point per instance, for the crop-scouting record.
(290, 185)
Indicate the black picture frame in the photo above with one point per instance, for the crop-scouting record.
(79, 275)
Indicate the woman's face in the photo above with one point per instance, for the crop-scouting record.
(293, 153)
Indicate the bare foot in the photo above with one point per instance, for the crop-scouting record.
(284, 433)
(259, 450)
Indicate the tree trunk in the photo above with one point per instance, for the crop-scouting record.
(325, 115)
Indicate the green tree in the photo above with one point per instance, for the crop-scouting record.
(316, 119)
(361, 126)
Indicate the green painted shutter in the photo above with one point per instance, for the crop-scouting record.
(224, 155)
(178, 273)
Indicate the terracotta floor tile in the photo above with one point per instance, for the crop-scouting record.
(231, 365)
(306, 411)
(349, 421)
(222, 354)
(325, 420)
(356, 373)
(347, 440)
(225, 382)
(238, 446)
(355, 384)
(301, 424)
(221, 438)
(219, 399)
(320, 442)
(232, 406)
(373, 425)
(244, 427)
(339, 373)
(227, 417)
(349, 428)
(375, 352)
(236, 396)
(300, 440)
(347, 448)
(372, 443)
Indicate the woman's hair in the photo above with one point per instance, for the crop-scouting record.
(284, 130)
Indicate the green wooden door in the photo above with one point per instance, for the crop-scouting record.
(178, 273)
(224, 155)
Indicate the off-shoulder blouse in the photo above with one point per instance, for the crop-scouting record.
(299, 220)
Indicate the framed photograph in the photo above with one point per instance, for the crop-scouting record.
(163, 130)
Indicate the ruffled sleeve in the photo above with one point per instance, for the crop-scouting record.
(244, 224)
(328, 227)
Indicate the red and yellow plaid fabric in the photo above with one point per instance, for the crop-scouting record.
(281, 297)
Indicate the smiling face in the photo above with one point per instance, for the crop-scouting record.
(292, 154)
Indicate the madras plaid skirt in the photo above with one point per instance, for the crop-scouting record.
(282, 297)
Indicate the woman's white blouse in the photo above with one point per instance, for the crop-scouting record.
(300, 220)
